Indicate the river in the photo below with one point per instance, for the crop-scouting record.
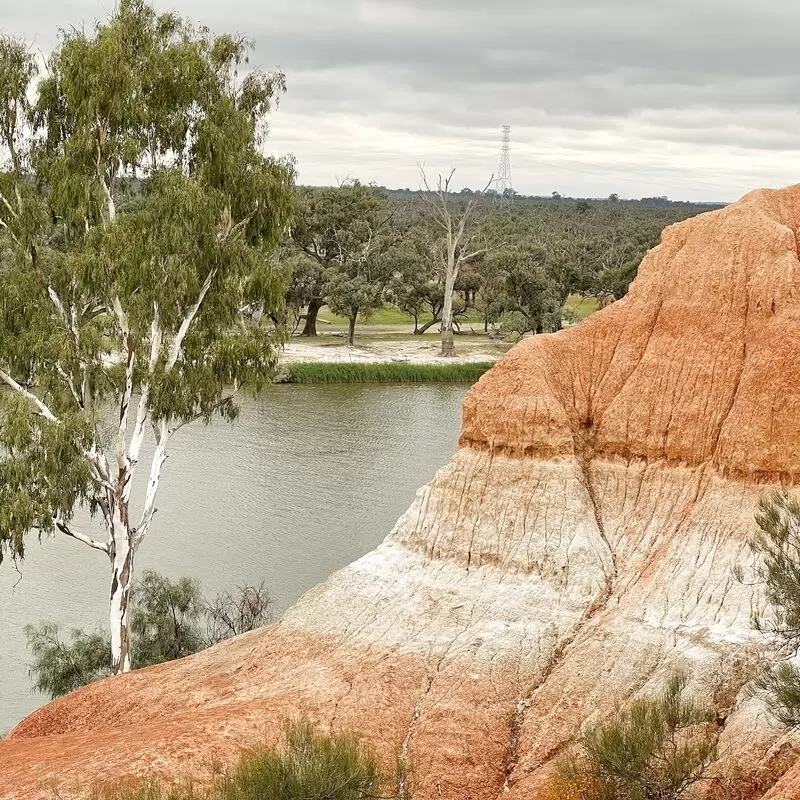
(308, 479)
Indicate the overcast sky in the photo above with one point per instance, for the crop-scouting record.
(694, 99)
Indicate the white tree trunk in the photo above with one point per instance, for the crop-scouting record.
(448, 346)
(119, 602)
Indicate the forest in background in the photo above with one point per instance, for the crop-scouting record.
(356, 248)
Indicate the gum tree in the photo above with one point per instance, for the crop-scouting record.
(340, 231)
(457, 232)
(135, 223)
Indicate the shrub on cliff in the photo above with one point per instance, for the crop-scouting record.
(308, 766)
(657, 748)
(777, 545)
(150, 789)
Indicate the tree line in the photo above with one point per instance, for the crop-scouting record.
(356, 247)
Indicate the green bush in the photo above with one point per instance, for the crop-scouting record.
(165, 621)
(657, 748)
(170, 620)
(60, 667)
(777, 546)
(514, 325)
(308, 766)
(149, 789)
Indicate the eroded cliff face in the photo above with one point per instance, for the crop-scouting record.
(577, 549)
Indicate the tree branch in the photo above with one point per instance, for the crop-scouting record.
(43, 409)
(162, 434)
(227, 400)
(97, 461)
(66, 529)
(187, 321)
(11, 233)
(70, 384)
(125, 400)
(8, 206)
(482, 251)
(143, 409)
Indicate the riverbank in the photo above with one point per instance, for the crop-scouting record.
(382, 360)
(391, 350)
(382, 372)
(308, 479)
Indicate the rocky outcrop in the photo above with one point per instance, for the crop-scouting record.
(578, 548)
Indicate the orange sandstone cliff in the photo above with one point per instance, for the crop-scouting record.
(577, 549)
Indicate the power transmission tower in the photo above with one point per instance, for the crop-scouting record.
(503, 182)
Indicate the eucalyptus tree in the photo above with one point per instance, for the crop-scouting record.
(136, 311)
(343, 230)
(415, 286)
(458, 231)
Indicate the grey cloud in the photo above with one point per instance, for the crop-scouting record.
(695, 96)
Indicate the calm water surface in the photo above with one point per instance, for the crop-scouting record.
(307, 480)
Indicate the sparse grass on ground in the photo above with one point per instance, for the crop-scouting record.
(578, 308)
(387, 372)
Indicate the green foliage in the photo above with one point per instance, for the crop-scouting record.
(138, 221)
(514, 325)
(415, 287)
(165, 622)
(59, 667)
(656, 749)
(353, 295)
(308, 766)
(387, 372)
(17, 70)
(342, 234)
(781, 690)
(150, 789)
(552, 250)
(777, 545)
(170, 620)
(36, 448)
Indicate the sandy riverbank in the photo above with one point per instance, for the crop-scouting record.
(381, 352)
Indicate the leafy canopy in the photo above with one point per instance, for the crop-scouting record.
(97, 303)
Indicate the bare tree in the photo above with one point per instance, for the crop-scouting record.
(231, 613)
(457, 238)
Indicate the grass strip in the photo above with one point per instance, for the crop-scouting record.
(391, 372)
